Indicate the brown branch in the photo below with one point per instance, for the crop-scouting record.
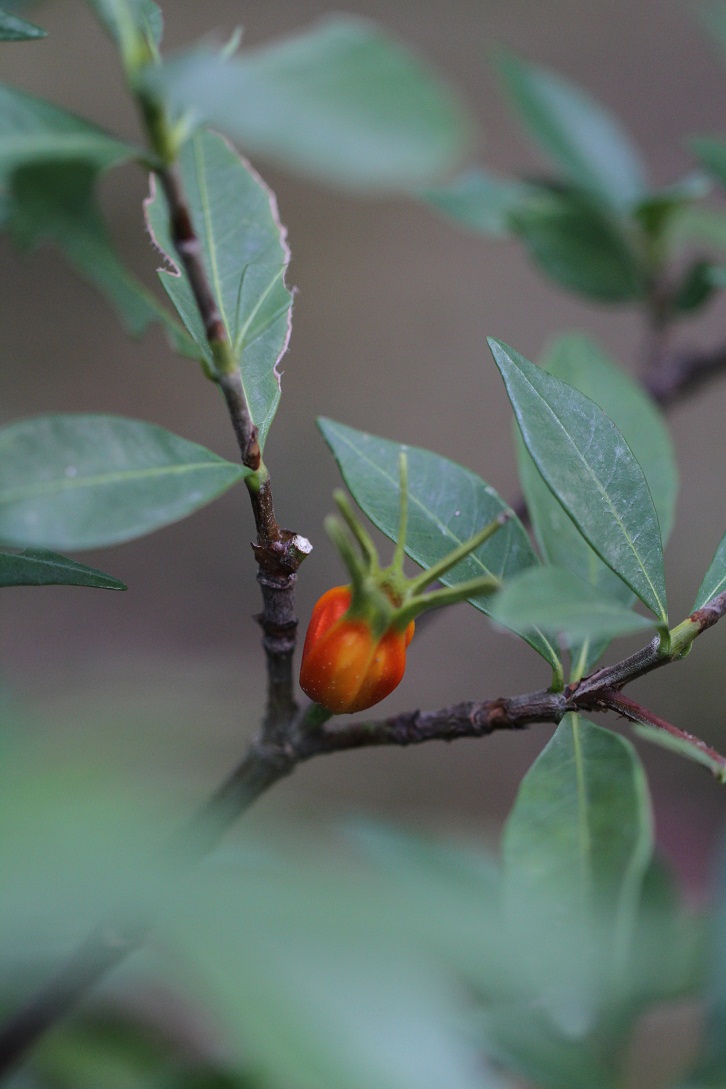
(279, 552)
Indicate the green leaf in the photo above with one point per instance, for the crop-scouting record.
(80, 482)
(577, 360)
(37, 567)
(714, 581)
(447, 505)
(479, 201)
(32, 131)
(56, 202)
(555, 601)
(577, 133)
(341, 102)
(711, 153)
(591, 471)
(245, 255)
(124, 19)
(576, 852)
(578, 244)
(313, 997)
(13, 29)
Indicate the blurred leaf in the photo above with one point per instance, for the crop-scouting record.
(713, 18)
(578, 244)
(447, 504)
(576, 852)
(658, 209)
(704, 226)
(666, 954)
(555, 601)
(714, 581)
(479, 201)
(56, 201)
(591, 471)
(341, 103)
(36, 567)
(711, 153)
(525, 1041)
(245, 255)
(579, 361)
(118, 1050)
(76, 849)
(447, 897)
(88, 481)
(13, 29)
(124, 19)
(716, 967)
(34, 131)
(577, 133)
(317, 1007)
(696, 287)
(716, 275)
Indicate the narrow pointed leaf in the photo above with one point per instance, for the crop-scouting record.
(447, 504)
(78, 482)
(37, 567)
(56, 202)
(553, 600)
(340, 102)
(714, 581)
(577, 133)
(591, 471)
(14, 29)
(32, 130)
(245, 254)
(577, 360)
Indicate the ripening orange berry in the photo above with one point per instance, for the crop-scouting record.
(345, 667)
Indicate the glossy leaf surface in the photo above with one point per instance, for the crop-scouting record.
(245, 255)
(553, 600)
(78, 482)
(591, 471)
(340, 102)
(37, 567)
(577, 360)
(447, 505)
(577, 133)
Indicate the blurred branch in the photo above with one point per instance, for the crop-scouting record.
(682, 372)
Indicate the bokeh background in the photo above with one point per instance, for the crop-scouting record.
(390, 320)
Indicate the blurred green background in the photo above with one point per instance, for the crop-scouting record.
(389, 328)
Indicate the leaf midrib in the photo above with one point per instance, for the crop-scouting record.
(591, 474)
(60, 484)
